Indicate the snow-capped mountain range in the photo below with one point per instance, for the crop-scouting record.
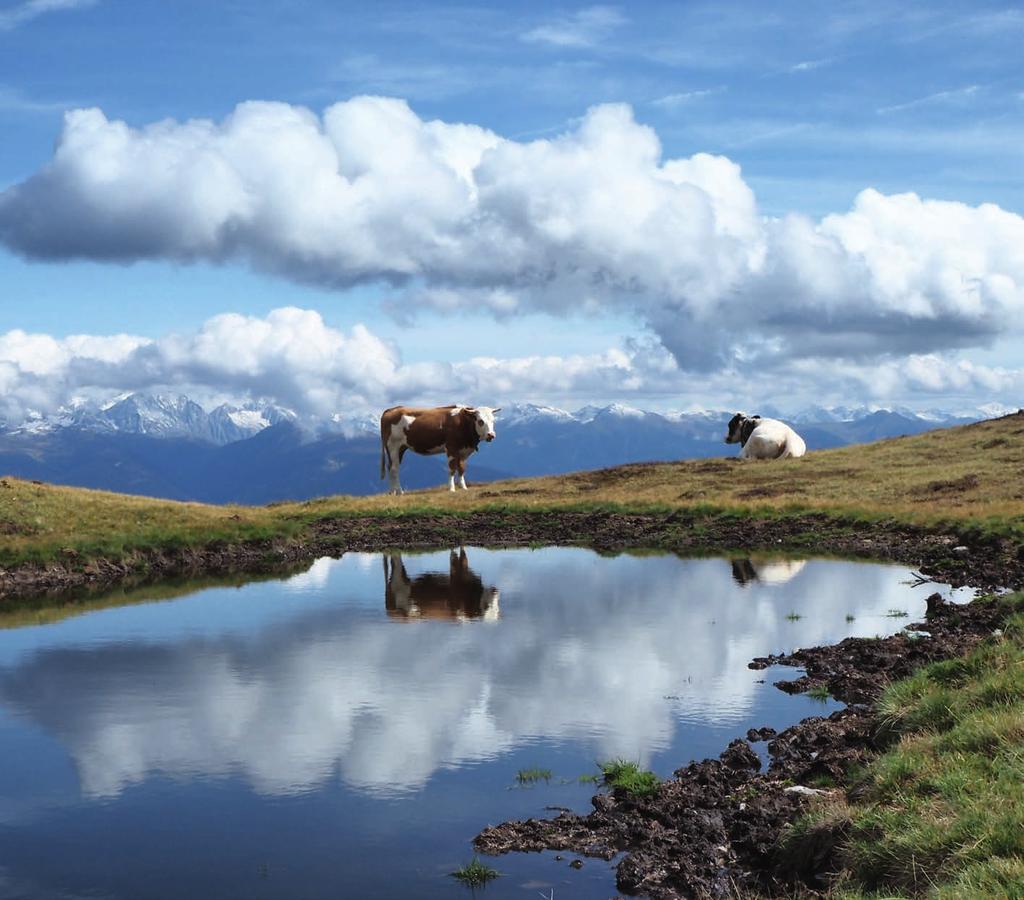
(161, 415)
(170, 446)
(178, 416)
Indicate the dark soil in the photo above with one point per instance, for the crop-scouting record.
(712, 829)
(947, 557)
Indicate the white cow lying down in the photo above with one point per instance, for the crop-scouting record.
(764, 438)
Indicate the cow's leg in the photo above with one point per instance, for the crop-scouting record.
(453, 464)
(395, 484)
(462, 468)
(396, 450)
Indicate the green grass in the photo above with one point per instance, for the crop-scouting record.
(954, 480)
(819, 692)
(621, 773)
(793, 617)
(941, 812)
(475, 873)
(532, 776)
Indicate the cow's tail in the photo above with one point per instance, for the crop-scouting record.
(383, 448)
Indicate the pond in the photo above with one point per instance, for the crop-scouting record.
(345, 732)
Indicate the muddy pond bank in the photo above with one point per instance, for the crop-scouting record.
(712, 830)
(959, 558)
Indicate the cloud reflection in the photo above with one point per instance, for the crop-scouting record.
(586, 649)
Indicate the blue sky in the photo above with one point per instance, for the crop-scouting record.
(815, 103)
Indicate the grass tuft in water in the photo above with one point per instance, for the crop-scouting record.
(793, 617)
(629, 776)
(819, 692)
(475, 873)
(897, 614)
(532, 776)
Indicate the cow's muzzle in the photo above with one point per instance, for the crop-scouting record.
(489, 438)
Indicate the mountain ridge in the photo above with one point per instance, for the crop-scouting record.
(169, 447)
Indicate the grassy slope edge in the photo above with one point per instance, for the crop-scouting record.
(941, 812)
(965, 479)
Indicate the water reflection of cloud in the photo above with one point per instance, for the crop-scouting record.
(586, 649)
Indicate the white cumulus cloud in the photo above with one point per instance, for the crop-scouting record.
(595, 219)
(292, 357)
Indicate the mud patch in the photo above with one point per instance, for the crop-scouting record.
(990, 563)
(600, 478)
(770, 490)
(944, 488)
(12, 528)
(712, 829)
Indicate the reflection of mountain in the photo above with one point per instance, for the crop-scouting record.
(766, 571)
(458, 595)
(290, 687)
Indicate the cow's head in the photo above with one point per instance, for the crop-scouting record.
(740, 426)
(482, 418)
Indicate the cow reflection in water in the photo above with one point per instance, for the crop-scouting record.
(765, 571)
(459, 595)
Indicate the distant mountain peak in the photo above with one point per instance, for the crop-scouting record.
(160, 415)
(521, 413)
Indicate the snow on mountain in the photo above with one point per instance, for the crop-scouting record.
(527, 413)
(351, 426)
(228, 424)
(614, 410)
(165, 416)
(159, 415)
(995, 410)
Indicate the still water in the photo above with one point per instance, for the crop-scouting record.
(346, 731)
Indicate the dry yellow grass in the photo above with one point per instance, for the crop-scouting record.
(972, 474)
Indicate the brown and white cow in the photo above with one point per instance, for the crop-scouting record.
(453, 430)
(459, 595)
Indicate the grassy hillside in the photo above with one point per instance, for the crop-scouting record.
(969, 476)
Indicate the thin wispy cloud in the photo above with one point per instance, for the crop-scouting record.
(770, 133)
(584, 28)
(25, 12)
(941, 97)
(370, 73)
(13, 100)
(674, 101)
(936, 23)
(812, 64)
